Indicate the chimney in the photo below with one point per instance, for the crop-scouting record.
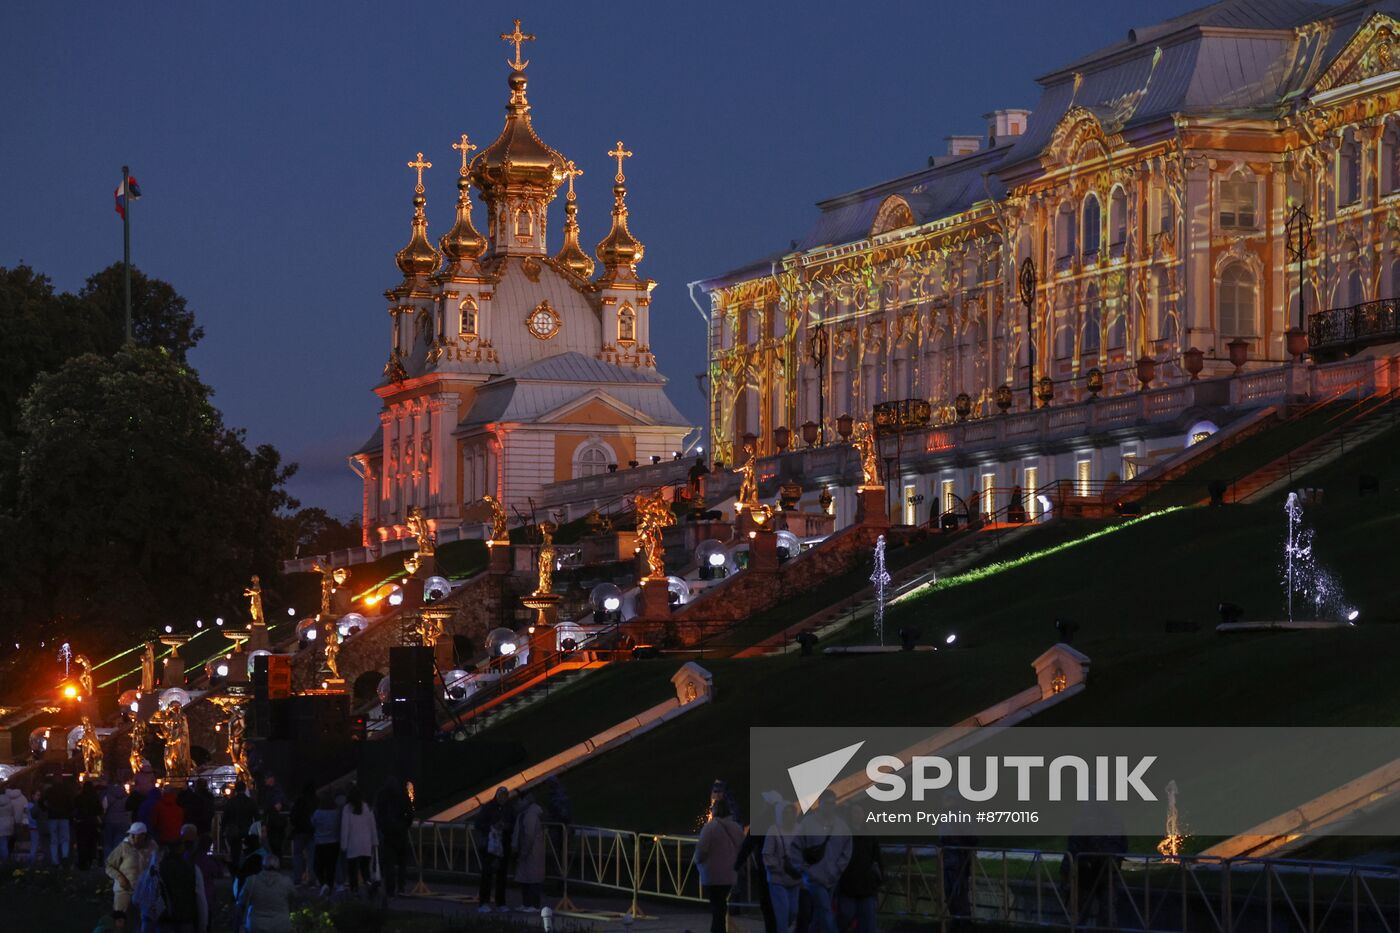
(963, 145)
(1004, 124)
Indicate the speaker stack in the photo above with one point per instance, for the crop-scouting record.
(411, 699)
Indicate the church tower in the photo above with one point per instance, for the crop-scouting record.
(626, 297)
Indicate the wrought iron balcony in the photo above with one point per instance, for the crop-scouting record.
(1359, 325)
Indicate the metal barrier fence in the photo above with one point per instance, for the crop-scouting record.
(956, 885)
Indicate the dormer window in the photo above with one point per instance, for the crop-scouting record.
(524, 224)
(468, 322)
(1237, 201)
(626, 325)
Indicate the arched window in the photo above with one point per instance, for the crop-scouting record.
(1166, 321)
(626, 324)
(1390, 159)
(1349, 170)
(1237, 196)
(466, 326)
(1118, 331)
(1166, 211)
(1093, 321)
(1065, 232)
(1092, 225)
(1237, 301)
(1118, 218)
(591, 460)
(524, 223)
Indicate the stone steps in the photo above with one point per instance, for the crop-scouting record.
(528, 697)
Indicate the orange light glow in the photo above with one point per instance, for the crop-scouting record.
(70, 691)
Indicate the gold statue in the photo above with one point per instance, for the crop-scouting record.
(238, 745)
(84, 676)
(410, 564)
(498, 519)
(148, 667)
(429, 628)
(653, 514)
(418, 527)
(545, 564)
(328, 583)
(255, 605)
(137, 758)
(91, 747)
(175, 730)
(869, 455)
(748, 489)
(333, 649)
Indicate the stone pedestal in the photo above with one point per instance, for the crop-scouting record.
(870, 507)
(237, 660)
(654, 603)
(498, 557)
(173, 675)
(257, 638)
(412, 588)
(546, 607)
(334, 684)
(763, 552)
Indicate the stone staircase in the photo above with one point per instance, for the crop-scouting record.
(969, 550)
(1367, 419)
(523, 698)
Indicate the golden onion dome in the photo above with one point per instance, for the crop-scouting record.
(419, 257)
(518, 158)
(620, 251)
(463, 242)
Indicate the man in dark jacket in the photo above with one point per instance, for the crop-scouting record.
(393, 812)
(302, 833)
(87, 824)
(182, 893)
(858, 891)
(198, 804)
(492, 831)
(239, 815)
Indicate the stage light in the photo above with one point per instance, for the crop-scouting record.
(219, 620)
(950, 639)
(199, 623)
(508, 648)
(169, 629)
(70, 691)
(291, 611)
(221, 669)
(1352, 616)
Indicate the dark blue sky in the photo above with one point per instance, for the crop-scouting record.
(270, 139)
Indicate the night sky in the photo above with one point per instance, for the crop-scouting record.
(269, 140)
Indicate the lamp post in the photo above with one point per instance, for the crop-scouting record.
(817, 351)
(1028, 299)
(1299, 232)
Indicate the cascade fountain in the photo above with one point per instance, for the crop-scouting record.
(1303, 577)
(1175, 838)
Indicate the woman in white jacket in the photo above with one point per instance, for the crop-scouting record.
(358, 837)
(784, 878)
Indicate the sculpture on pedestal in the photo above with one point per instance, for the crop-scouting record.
(546, 559)
(333, 649)
(329, 579)
(84, 676)
(238, 745)
(653, 514)
(747, 497)
(429, 628)
(91, 747)
(410, 564)
(498, 519)
(137, 758)
(418, 527)
(175, 730)
(255, 603)
(148, 668)
(869, 455)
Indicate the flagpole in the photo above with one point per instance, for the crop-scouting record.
(126, 248)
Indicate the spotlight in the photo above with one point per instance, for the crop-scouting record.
(135, 706)
(950, 639)
(1065, 629)
(199, 623)
(675, 455)
(1353, 614)
(169, 629)
(291, 611)
(221, 670)
(1230, 613)
(508, 648)
(219, 620)
(655, 458)
(569, 644)
(908, 638)
(612, 604)
(70, 691)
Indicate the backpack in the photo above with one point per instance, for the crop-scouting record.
(149, 894)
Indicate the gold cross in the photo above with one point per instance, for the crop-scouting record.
(419, 164)
(571, 171)
(619, 154)
(517, 37)
(463, 147)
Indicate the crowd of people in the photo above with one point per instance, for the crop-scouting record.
(181, 857)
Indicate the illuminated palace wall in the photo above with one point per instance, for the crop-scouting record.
(1151, 187)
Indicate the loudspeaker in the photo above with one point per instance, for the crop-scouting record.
(411, 697)
(320, 717)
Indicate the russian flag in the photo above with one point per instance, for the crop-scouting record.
(128, 189)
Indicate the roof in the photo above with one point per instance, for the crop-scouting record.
(375, 444)
(576, 367)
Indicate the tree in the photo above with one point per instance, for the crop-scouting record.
(160, 316)
(136, 504)
(315, 531)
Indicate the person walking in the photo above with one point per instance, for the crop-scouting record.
(858, 891)
(58, 805)
(17, 806)
(822, 847)
(7, 824)
(36, 819)
(198, 804)
(715, 854)
(182, 889)
(127, 863)
(393, 811)
(265, 902)
(302, 833)
(493, 838)
(198, 853)
(358, 837)
(325, 838)
(87, 824)
(167, 817)
(239, 815)
(784, 878)
(116, 818)
(527, 840)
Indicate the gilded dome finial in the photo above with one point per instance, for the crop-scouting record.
(516, 37)
(518, 160)
(571, 255)
(463, 242)
(620, 251)
(419, 257)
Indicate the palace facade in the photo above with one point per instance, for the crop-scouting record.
(1145, 201)
(511, 367)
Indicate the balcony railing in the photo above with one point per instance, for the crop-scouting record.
(1369, 322)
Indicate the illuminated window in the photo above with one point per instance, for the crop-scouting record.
(1118, 332)
(1166, 211)
(949, 498)
(989, 495)
(627, 324)
(1092, 225)
(1349, 170)
(1030, 482)
(524, 223)
(1083, 475)
(467, 325)
(1117, 218)
(592, 460)
(1130, 461)
(1237, 293)
(1065, 228)
(1093, 322)
(1237, 194)
(911, 509)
